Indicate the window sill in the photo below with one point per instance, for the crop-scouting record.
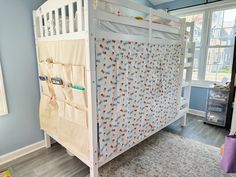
(202, 84)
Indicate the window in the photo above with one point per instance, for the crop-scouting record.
(220, 45)
(214, 32)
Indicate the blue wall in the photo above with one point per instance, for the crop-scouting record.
(198, 98)
(181, 3)
(17, 53)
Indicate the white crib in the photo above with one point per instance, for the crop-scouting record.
(73, 38)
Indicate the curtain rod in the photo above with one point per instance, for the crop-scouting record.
(207, 2)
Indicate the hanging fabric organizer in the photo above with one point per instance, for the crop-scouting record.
(63, 107)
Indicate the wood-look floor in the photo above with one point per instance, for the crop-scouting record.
(52, 162)
(55, 162)
(197, 130)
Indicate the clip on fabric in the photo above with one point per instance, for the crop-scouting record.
(57, 81)
(43, 78)
(76, 87)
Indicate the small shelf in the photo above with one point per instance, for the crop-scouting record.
(218, 100)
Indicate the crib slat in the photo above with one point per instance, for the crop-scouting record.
(79, 14)
(45, 25)
(50, 21)
(86, 22)
(63, 19)
(57, 22)
(41, 25)
(71, 18)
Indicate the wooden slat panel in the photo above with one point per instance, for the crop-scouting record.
(71, 18)
(57, 28)
(130, 21)
(80, 15)
(45, 25)
(50, 22)
(63, 19)
(41, 26)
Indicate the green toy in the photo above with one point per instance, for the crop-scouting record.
(78, 87)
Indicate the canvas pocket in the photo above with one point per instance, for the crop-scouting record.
(67, 78)
(57, 74)
(76, 115)
(73, 130)
(79, 91)
(50, 113)
(45, 72)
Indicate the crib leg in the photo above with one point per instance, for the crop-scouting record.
(94, 171)
(184, 120)
(47, 140)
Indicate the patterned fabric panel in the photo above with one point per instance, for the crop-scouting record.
(137, 91)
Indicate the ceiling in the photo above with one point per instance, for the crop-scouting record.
(157, 2)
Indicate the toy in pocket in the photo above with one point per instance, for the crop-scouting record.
(77, 87)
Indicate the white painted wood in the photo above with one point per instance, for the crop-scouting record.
(51, 5)
(57, 27)
(4, 109)
(21, 152)
(91, 91)
(141, 8)
(79, 15)
(40, 25)
(47, 140)
(182, 34)
(184, 120)
(67, 36)
(188, 66)
(101, 15)
(71, 18)
(63, 19)
(134, 38)
(45, 25)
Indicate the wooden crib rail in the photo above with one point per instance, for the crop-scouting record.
(60, 18)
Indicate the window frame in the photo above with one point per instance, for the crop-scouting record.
(207, 11)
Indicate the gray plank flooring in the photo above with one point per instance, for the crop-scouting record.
(55, 162)
(52, 162)
(197, 130)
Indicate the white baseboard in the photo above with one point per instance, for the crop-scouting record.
(197, 112)
(21, 152)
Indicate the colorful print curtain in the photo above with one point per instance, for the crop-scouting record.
(138, 87)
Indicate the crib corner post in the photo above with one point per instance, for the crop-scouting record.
(94, 170)
(184, 120)
(47, 140)
(91, 90)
